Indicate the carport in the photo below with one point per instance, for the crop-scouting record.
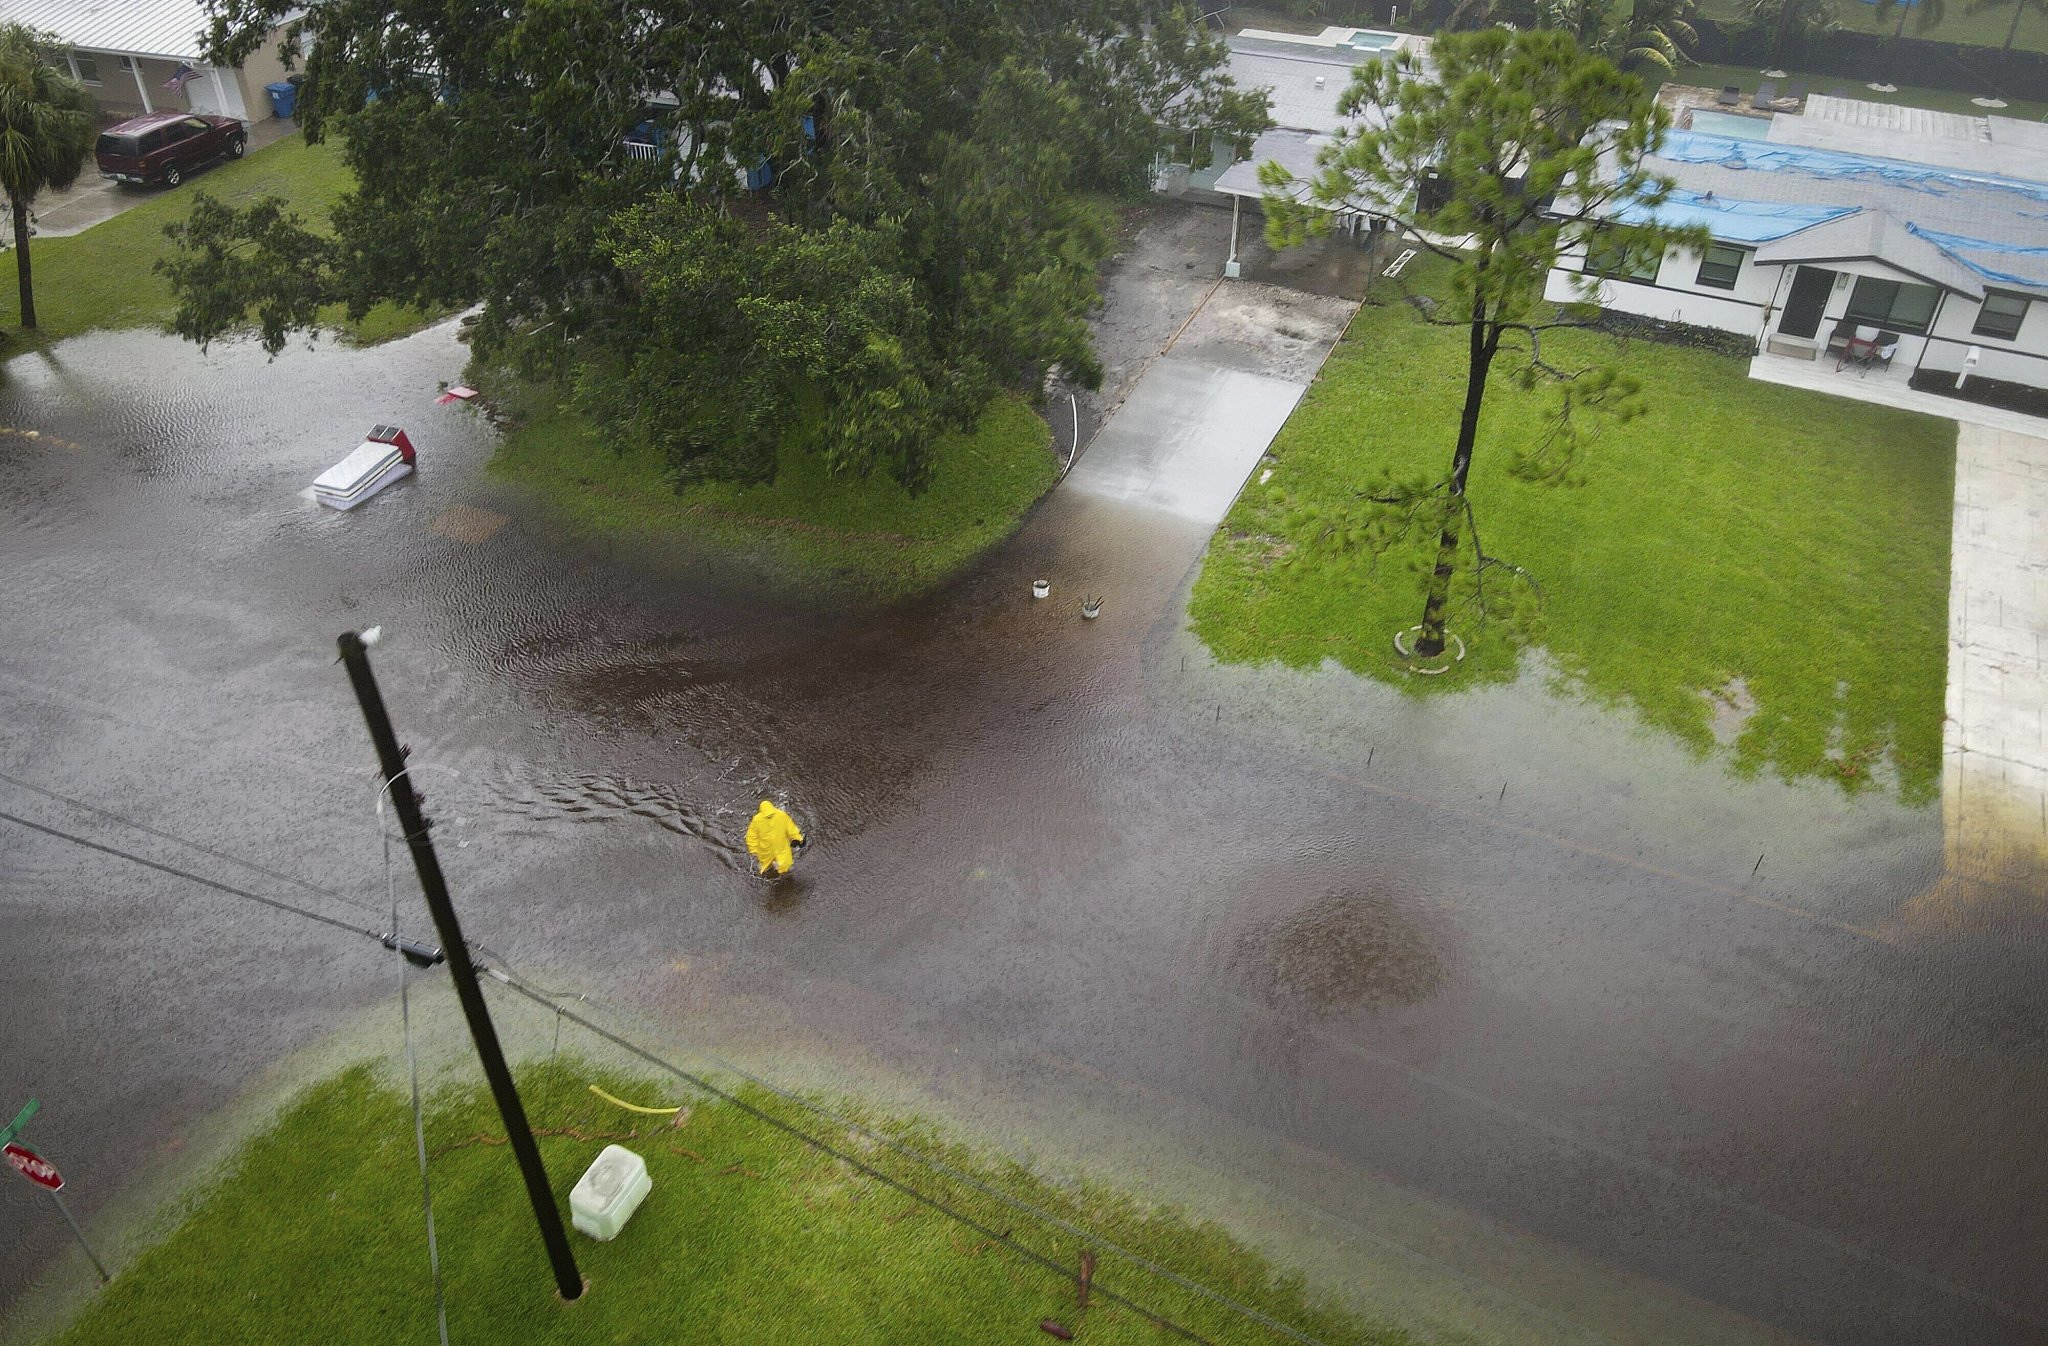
(1295, 151)
(138, 56)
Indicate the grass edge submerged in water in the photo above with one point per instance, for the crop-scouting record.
(1672, 576)
(866, 538)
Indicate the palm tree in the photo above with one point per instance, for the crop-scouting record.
(46, 133)
(2019, 8)
(1651, 32)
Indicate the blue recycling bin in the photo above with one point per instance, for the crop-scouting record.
(284, 98)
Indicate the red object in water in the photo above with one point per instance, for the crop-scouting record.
(391, 434)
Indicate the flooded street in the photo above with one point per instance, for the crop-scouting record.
(1498, 989)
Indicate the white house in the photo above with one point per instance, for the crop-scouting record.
(138, 56)
(1852, 221)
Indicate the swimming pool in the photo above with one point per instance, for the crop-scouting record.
(1731, 124)
(1371, 39)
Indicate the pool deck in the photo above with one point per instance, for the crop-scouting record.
(1342, 37)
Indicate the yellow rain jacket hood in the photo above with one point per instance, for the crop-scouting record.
(769, 837)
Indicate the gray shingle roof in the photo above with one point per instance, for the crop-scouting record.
(1872, 233)
(1988, 227)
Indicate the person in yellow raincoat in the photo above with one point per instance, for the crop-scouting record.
(769, 838)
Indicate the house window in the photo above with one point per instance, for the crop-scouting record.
(1719, 266)
(85, 69)
(126, 63)
(1612, 256)
(2000, 317)
(1899, 305)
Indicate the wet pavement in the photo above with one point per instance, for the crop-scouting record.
(93, 199)
(1501, 989)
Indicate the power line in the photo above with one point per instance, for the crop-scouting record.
(552, 999)
(419, 1121)
(199, 846)
(919, 1157)
(199, 879)
(853, 1161)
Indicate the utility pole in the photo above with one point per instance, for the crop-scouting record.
(391, 761)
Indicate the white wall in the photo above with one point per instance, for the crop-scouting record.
(2020, 360)
(1674, 294)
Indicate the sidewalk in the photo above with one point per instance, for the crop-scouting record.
(1995, 739)
(1994, 784)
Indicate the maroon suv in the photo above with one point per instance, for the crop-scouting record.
(164, 146)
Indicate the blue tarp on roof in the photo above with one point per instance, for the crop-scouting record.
(1734, 221)
(1978, 254)
(1699, 147)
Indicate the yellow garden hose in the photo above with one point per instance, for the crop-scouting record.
(633, 1107)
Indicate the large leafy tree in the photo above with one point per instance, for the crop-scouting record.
(46, 134)
(1517, 147)
(930, 160)
(747, 332)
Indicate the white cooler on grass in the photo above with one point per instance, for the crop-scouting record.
(608, 1193)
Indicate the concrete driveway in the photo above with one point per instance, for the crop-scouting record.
(1201, 416)
(93, 198)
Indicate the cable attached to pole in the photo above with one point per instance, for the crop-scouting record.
(854, 1161)
(419, 1124)
(1089, 1237)
(416, 831)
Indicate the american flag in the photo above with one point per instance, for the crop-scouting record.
(183, 76)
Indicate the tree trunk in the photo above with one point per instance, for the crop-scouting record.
(21, 272)
(2019, 8)
(1788, 10)
(1429, 642)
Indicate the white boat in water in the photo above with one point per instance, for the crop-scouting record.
(382, 458)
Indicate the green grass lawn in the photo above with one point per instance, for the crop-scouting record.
(1795, 542)
(1941, 100)
(102, 278)
(869, 537)
(748, 1237)
(1958, 24)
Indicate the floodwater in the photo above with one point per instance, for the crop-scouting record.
(1500, 981)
